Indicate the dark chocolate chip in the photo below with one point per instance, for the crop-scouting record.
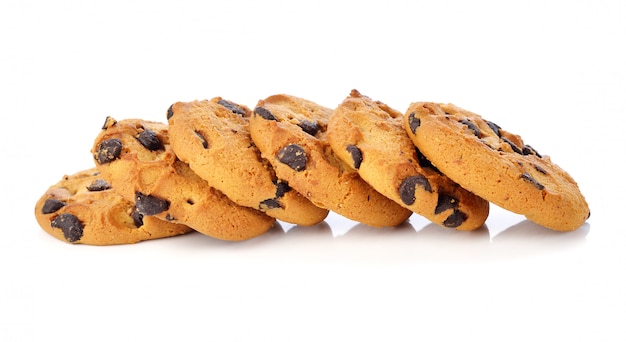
(51, 205)
(407, 188)
(137, 217)
(264, 113)
(70, 225)
(495, 128)
(540, 169)
(205, 144)
(424, 162)
(293, 156)
(233, 107)
(169, 218)
(282, 188)
(357, 156)
(108, 150)
(527, 149)
(310, 127)
(150, 205)
(150, 140)
(472, 127)
(414, 122)
(170, 112)
(455, 219)
(514, 147)
(445, 202)
(99, 185)
(271, 203)
(109, 122)
(531, 180)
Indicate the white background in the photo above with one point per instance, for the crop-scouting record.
(552, 71)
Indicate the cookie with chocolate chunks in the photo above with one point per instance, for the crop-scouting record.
(291, 134)
(136, 157)
(213, 137)
(82, 208)
(496, 165)
(369, 136)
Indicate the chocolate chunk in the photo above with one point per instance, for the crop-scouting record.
(170, 112)
(414, 122)
(310, 127)
(264, 113)
(205, 144)
(271, 203)
(495, 128)
(527, 149)
(445, 202)
(99, 185)
(70, 225)
(137, 217)
(233, 107)
(109, 122)
(531, 180)
(108, 150)
(540, 169)
(407, 188)
(150, 205)
(282, 188)
(150, 140)
(455, 219)
(293, 156)
(51, 205)
(424, 162)
(357, 156)
(472, 127)
(514, 147)
(169, 218)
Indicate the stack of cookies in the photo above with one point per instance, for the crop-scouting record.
(229, 172)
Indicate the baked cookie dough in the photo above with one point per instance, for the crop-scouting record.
(213, 137)
(291, 134)
(82, 208)
(370, 137)
(496, 165)
(136, 157)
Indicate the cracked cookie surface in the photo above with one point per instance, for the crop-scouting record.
(83, 208)
(136, 157)
(213, 137)
(370, 137)
(496, 165)
(291, 134)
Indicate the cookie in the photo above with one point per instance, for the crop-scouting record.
(136, 157)
(496, 165)
(370, 137)
(82, 208)
(213, 137)
(291, 134)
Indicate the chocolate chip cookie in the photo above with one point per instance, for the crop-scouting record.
(370, 137)
(291, 134)
(136, 157)
(213, 137)
(496, 165)
(82, 208)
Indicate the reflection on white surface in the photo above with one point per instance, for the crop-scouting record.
(504, 236)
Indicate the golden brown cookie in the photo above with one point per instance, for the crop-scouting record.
(136, 157)
(496, 165)
(83, 209)
(291, 134)
(213, 137)
(370, 137)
